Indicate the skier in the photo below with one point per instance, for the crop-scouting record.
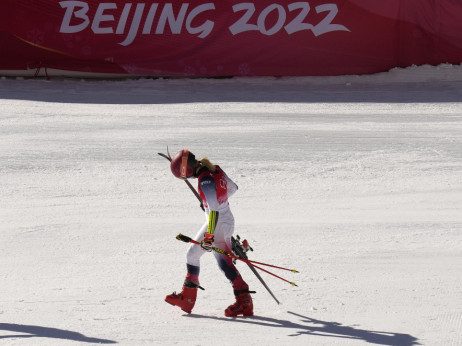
(214, 187)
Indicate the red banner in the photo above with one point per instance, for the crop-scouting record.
(229, 37)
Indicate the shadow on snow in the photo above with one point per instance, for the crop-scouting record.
(44, 332)
(311, 326)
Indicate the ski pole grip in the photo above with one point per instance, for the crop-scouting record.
(184, 238)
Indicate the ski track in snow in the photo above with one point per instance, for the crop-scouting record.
(355, 181)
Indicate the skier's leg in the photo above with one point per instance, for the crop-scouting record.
(193, 257)
(244, 303)
(223, 233)
(187, 298)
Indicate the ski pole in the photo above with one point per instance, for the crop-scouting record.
(187, 239)
(292, 283)
(270, 265)
(273, 266)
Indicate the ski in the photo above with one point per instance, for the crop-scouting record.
(240, 250)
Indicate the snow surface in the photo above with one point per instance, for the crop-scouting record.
(355, 181)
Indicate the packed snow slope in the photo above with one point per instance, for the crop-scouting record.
(354, 181)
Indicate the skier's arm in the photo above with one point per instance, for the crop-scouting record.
(213, 219)
(208, 236)
(209, 188)
(231, 185)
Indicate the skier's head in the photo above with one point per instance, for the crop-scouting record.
(183, 164)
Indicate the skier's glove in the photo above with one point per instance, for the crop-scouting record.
(207, 242)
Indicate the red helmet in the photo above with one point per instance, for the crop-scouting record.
(183, 163)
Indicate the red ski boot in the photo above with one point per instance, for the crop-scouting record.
(242, 306)
(185, 300)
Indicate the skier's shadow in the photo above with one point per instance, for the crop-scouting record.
(26, 331)
(311, 326)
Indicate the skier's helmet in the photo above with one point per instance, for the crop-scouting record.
(183, 163)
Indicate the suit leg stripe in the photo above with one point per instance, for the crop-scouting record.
(212, 222)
